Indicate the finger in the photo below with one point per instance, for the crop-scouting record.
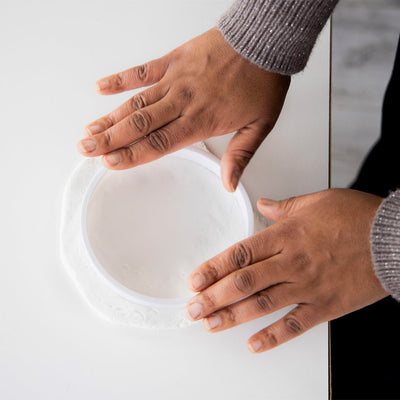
(137, 102)
(133, 78)
(236, 286)
(249, 251)
(238, 153)
(167, 139)
(277, 210)
(262, 303)
(293, 324)
(130, 129)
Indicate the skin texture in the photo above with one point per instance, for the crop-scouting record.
(201, 89)
(317, 255)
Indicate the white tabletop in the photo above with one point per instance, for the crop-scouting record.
(52, 345)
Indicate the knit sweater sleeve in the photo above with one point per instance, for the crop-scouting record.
(277, 35)
(385, 244)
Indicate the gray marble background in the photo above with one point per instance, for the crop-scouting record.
(365, 34)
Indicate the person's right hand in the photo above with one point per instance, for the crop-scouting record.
(317, 255)
(203, 88)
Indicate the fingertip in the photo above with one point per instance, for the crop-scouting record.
(196, 282)
(102, 84)
(193, 311)
(190, 286)
(87, 132)
(87, 146)
(111, 160)
(230, 180)
(264, 202)
(228, 185)
(206, 325)
(225, 179)
(188, 316)
(93, 129)
(212, 323)
(80, 149)
(97, 87)
(249, 347)
(105, 163)
(235, 177)
(255, 346)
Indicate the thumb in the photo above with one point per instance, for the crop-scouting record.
(277, 210)
(238, 153)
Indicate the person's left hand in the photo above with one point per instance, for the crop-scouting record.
(317, 256)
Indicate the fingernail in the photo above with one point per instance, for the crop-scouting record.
(235, 179)
(267, 202)
(194, 310)
(212, 322)
(88, 145)
(102, 84)
(198, 281)
(113, 158)
(255, 346)
(93, 129)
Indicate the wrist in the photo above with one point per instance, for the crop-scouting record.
(385, 244)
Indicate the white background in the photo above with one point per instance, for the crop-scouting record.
(52, 345)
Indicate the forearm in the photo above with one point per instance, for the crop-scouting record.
(385, 244)
(277, 35)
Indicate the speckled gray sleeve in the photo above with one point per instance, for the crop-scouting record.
(385, 244)
(277, 35)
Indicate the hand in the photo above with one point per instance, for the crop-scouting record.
(202, 89)
(317, 255)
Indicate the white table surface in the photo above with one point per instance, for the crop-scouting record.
(52, 345)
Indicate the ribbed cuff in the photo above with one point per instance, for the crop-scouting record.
(385, 244)
(277, 35)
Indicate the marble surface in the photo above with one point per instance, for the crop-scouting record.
(364, 40)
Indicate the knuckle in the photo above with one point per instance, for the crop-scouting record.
(138, 102)
(241, 256)
(139, 122)
(208, 301)
(268, 338)
(129, 155)
(212, 273)
(228, 315)
(109, 121)
(289, 204)
(142, 72)
(244, 281)
(271, 338)
(264, 302)
(266, 124)
(293, 326)
(242, 156)
(301, 259)
(187, 94)
(290, 231)
(159, 141)
(118, 81)
(107, 139)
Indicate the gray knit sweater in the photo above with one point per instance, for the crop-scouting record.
(278, 35)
